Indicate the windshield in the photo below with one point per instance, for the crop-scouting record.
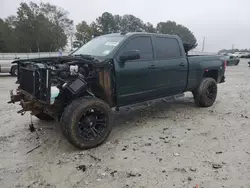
(100, 46)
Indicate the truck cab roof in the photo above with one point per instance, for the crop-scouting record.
(129, 34)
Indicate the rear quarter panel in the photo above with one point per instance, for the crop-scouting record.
(198, 65)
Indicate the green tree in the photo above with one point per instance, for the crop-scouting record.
(43, 27)
(148, 27)
(84, 32)
(106, 23)
(130, 23)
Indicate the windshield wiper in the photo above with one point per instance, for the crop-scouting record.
(84, 56)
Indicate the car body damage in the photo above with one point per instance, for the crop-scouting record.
(50, 84)
(113, 70)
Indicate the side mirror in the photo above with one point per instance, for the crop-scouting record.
(129, 55)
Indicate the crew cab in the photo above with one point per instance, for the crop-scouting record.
(109, 71)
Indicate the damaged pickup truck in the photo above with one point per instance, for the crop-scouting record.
(110, 71)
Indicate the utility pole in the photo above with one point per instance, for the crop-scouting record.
(232, 46)
(203, 44)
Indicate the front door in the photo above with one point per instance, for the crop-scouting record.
(135, 77)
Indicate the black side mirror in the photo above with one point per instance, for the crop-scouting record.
(129, 55)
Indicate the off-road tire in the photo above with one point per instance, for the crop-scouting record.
(45, 117)
(201, 98)
(74, 112)
(13, 71)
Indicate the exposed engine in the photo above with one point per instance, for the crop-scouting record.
(47, 80)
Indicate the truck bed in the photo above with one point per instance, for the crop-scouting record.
(204, 64)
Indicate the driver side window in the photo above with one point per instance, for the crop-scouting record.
(143, 44)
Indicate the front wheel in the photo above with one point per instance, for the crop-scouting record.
(87, 122)
(205, 95)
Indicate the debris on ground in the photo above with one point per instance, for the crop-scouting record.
(125, 148)
(189, 179)
(176, 154)
(148, 144)
(192, 169)
(103, 174)
(33, 149)
(244, 116)
(183, 170)
(164, 129)
(95, 158)
(113, 173)
(131, 174)
(218, 152)
(81, 167)
(216, 166)
(160, 159)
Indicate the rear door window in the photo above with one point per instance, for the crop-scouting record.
(167, 48)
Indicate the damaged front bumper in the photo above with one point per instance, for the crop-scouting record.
(26, 101)
(15, 98)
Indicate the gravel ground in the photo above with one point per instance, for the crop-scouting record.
(173, 144)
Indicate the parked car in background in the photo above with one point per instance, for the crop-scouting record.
(245, 55)
(232, 60)
(237, 54)
(6, 66)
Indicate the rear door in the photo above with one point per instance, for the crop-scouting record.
(171, 66)
(135, 78)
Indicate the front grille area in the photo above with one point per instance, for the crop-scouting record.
(35, 81)
(27, 80)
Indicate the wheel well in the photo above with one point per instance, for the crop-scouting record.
(99, 92)
(211, 74)
(12, 67)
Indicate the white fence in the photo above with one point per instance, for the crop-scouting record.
(12, 56)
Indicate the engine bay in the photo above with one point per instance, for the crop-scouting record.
(47, 78)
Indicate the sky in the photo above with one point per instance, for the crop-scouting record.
(223, 23)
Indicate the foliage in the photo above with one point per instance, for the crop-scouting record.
(183, 32)
(108, 23)
(45, 27)
(36, 28)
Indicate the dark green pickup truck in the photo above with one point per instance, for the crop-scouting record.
(112, 70)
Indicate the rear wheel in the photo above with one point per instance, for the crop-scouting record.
(205, 95)
(87, 122)
(43, 116)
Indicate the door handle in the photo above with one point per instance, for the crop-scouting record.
(152, 67)
(182, 64)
